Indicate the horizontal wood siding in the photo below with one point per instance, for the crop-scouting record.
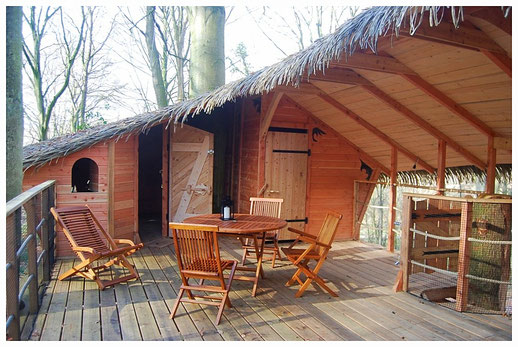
(333, 167)
(248, 180)
(125, 183)
(61, 171)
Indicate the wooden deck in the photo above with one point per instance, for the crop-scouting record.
(361, 274)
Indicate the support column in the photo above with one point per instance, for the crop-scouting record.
(491, 166)
(392, 199)
(441, 166)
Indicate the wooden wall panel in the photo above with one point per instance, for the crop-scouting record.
(61, 171)
(124, 202)
(249, 154)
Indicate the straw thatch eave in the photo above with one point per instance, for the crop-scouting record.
(454, 175)
(361, 32)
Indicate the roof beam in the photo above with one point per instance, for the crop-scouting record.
(339, 75)
(362, 153)
(373, 62)
(267, 118)
(493, 15)
(400, 108)
(302, 88)
(451, 105)
(501, 60)
(335, 103)
(464, 36)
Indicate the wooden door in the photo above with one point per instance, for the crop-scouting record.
(286, 171)
(190, 172)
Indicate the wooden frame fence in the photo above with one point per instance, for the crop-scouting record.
(36, 202)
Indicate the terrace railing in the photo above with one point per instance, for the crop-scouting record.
(29, 254)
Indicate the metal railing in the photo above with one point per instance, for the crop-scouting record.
(36, 202)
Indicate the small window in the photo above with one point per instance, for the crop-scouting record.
(85, 176)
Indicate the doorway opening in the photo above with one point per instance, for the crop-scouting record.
(150, 184)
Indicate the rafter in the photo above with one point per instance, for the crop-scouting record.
(501, 60)
(340, 75)
(403, 110)
(464, 36)
(451, 105)
(493, 15)
(373, 62)
(267, 118)
(363, 155)
(344, 110)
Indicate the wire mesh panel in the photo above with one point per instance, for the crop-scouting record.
(436, 267)
(490, 258)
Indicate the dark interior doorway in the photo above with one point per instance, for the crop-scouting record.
(150, 184)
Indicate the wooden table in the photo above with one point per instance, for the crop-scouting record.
(244, 225)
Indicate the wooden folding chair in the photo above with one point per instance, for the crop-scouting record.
(263, 207)
(197, 254)
(318, 248)
(91, 243)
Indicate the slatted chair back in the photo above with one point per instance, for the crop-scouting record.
(82, 228)
(328, 231)
(269, 207)
(197, 249)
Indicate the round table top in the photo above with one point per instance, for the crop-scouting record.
(242, 224)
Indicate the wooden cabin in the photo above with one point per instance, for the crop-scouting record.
(431, 91)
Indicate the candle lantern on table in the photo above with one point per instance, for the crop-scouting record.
(227, 209)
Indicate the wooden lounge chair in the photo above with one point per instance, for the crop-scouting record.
(197, 254)
(92, 243)
(263, 207)
(317, 249)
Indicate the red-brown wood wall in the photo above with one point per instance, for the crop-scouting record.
(333, 165)
(120, 193)
(61, 171)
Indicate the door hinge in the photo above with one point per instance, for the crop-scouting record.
(305, 220)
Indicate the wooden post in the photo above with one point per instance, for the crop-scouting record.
(111, 188)
(406, 242)
(51, 199)
(45, 208)
(491, 166)
(165, 183)
(13, 231)
(464, 253)
(441, 166)
(392, 199)
(32, 255)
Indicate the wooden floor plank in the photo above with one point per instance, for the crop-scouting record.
(74, 310)
(91, 312)
(361, 274)
(110, 325)
(157, 304)
(35, 335)
(53, 324)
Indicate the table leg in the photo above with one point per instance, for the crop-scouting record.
(259, 269)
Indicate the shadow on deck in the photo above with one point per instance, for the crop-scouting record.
(361, 274)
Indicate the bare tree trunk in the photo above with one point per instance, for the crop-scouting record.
(154, 59)
(14, 102)
(207, 64)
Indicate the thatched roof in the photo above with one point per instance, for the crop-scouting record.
(360, 32)
(452, 175)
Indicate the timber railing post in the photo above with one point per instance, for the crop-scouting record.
(464, 253)
(36, 201)
(406, 243)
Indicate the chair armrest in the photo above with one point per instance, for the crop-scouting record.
(313, 241)
(83, 249)
(124, 241)
(296, 231)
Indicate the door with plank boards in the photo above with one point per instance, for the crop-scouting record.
(190, 172)
(286, 161)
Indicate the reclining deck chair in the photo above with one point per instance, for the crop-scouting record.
(318, 248)
(197, 254)
(91, 243)
(263, 207)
